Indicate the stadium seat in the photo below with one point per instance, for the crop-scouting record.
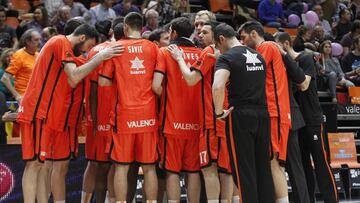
(12, 21)
(217, 6)
(343, 153)
(270, 30)
(291, 31)
(354, 94)
(22, 6)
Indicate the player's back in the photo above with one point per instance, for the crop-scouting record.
(46, 76)
(277, 92)
(134, 71)
(182, 108)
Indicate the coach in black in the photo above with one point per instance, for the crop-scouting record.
(311, 139)
(248, 122)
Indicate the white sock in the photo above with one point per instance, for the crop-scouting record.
(236, 199)
(120, 202)
(85, 195)
(283, 200)
(225, 201)
(61, 201)
(213, 201)
(173, 201)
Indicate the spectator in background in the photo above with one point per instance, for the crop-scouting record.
(60, 19)
(320, 36)
(5, 61)
(48, 33)
(351, 63)
(160, 37)
(22, 64)
(303, 39)
(102, 11)
(325, 24)
(348, 38)
(77, 9)
(331, 70)
(39, 22)
(355, 8)
(271, 14)
(52, 6)
(7, 34)
(344, 24)
(125, 7)
(152, 20)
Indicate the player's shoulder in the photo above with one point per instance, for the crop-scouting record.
(209, 49)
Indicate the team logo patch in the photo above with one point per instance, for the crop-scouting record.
(252, 62)
(68, 54)
(137, 67)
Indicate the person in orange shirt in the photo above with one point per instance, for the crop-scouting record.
(278, 100)
(22, 64)
(181, 114)
(213, 149)
(42, 122)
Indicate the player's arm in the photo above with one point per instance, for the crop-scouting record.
(157, 83)
(295, 73)
(305, 85)
(76, 74)
(6, 79)
(218, 91)
(191, 77)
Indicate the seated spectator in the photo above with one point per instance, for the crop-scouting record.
(8, 37)
(22, 64)
(77, 9)
(303, 39)
(351, 63)
(331, 70)
(102, 11)
(348, 38)
(5, 94)
(39, 22)
(48, 33)
(320, 36)
(325, 24)
(355, 8)
(344, 24)
(5, 61)
(152, 20)
(60, 19)
(160, 37)
(125, 7)
(271, 14)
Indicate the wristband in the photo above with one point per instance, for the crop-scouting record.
(220, 115)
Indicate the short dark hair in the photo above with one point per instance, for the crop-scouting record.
(117, 20)
(355, 25)
(134, 20)
(103, 27)
(182, 26)
(87, 30)
(156, 34)
(119, 31)
(71, 25)
(225, 30)
(250, 26)
(282, 37)
(342, 12)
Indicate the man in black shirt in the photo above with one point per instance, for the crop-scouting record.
(248, 125)
(311, 136)
(294, 165)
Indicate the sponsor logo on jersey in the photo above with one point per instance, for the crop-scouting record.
(141, 123)
(103, 128)
(186, 126)
(252, 62)
(137, 67)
